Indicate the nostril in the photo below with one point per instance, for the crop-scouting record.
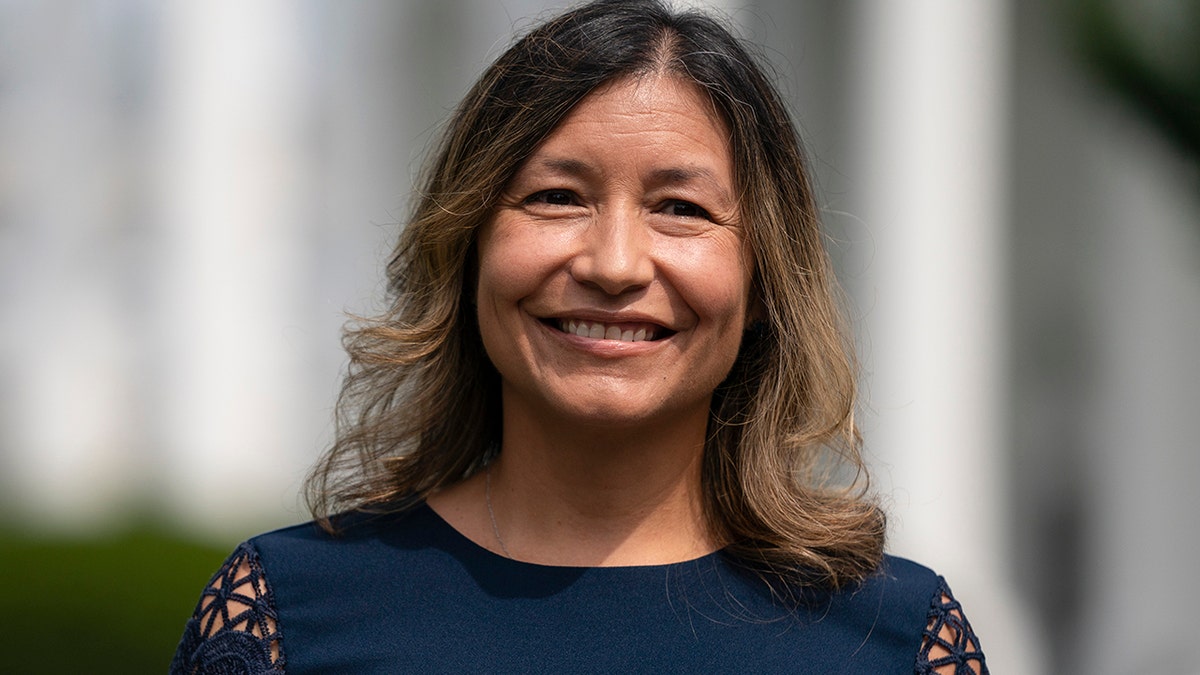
(615, 266)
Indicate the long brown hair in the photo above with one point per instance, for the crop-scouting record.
(420, 406)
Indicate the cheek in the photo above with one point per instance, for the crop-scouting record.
(718, 287)
(500, 270)
(493, 286)
(504, 276)
(510, 271)
(490, 282)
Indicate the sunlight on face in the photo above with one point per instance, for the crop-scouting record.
(613, 286)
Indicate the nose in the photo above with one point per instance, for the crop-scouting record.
(614, 255)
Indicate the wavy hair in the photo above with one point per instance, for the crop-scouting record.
(420, 405)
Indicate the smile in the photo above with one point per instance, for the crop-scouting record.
(596, 330)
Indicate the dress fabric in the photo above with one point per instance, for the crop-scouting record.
(408, 593)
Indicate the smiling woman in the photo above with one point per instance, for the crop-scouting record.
(607, 234)
(590, 432)
(612, 304)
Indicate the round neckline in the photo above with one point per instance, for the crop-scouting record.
(471, 545)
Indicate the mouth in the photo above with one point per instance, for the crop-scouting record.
(621, 332)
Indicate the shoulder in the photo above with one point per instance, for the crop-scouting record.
(886, 612)
(910, 614)
(235, 626)
(905, 574)
(272, 580)
(948, 645)
(309, 556)
(346, 531)
(899, 589)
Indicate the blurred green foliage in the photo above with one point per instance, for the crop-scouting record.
(1148, 53)
(111, 605)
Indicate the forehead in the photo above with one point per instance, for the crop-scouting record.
(660, 115)
(647, 93)
(653, 99)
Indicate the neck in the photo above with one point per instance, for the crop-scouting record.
(588, 495)
(579, 494)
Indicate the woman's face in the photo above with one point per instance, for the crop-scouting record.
(613, 284)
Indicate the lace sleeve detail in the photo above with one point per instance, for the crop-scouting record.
(949, 646)
(235, 628)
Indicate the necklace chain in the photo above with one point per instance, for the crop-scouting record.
(487, 495)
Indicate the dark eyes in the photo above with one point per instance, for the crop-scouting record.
(671, 207)
(686, 210)
(552, 197)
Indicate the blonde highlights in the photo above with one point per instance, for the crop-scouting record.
(420, 406)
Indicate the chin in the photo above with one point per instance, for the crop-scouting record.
(628, 415)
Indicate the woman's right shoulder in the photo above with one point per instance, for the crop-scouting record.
(238, 627)
(235, 625)
(314, 548)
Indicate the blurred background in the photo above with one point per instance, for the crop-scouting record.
(193, 195)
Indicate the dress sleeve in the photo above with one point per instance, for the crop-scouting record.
(948, 645)
(235, 627)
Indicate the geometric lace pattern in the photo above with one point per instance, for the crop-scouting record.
(949, 646)
(235, 628)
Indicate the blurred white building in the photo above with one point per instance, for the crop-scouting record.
(192, 195)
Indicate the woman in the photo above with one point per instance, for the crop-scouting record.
(594, 429)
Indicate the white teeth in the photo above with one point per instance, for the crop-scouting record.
(599, 331)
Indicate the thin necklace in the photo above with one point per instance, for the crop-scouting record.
(487, 495)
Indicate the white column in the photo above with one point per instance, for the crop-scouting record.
(929, 101)
(1143, 546)
(233, 200)
(68, 400)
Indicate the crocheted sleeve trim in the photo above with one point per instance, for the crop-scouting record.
(948, 645)
(235, 628)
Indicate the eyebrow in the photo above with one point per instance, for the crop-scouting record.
(691, 174)
(571, 167)
(673, 175)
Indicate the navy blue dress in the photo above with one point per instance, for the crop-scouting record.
(408, 593)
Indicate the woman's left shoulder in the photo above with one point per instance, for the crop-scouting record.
(905, 574)
(948, 644)
(899, 591)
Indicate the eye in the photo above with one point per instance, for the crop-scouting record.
(552, 197)
(686, 210)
